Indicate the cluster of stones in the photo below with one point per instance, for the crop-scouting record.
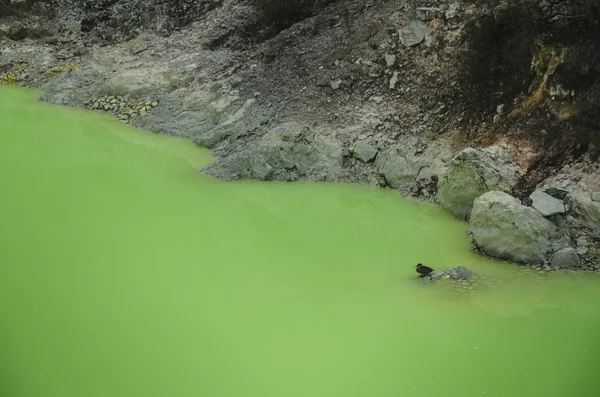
(553, 229)
(125, 109)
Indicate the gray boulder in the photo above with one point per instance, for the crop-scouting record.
(414, 33)
(402, 168)
(505, 229)
(473, 172)
(364, 152)
(565, 258)
(586, 211)
(546, 204)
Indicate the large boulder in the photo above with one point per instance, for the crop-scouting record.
(401, 168)
(473, 172)
(505, 229)
(586, 211)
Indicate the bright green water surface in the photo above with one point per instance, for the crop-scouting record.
(124, 273)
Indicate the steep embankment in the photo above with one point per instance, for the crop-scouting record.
(386, 93)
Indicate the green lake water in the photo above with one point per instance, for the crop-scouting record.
(124, 272)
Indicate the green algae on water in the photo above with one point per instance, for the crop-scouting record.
(125, 272)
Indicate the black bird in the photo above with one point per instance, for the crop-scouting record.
(423, 270)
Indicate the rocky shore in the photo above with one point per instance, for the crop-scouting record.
(365, 92)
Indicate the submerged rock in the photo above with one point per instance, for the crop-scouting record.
(459, 274)
(503, 228)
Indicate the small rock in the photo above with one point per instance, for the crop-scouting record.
(394, 81)
(546, 204)
(596, 197)
(413, 34)
(376, 99)
(390, 60)
(236, 81)
(496, 119)
(565, 258)
(335, 84)
(364, 152)
(322, 81)
(500, 109)
(138, 48)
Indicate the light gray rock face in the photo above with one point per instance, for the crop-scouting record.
(414, 33)
(596, 197)
(565, 258)
(285, 153)
(473, 172)
(546, 204)
(505, 229)
(364, 152)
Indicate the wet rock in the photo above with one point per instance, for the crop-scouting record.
(565, 258)
(459, 274)
(546, 204)
(503, 228)
(364, 152)
(473, 172)
(413, 34)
